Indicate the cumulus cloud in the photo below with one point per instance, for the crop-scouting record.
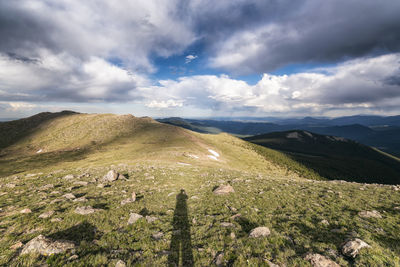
(359, 84)
(60, 77)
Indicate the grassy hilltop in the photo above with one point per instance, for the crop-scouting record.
(53, 164)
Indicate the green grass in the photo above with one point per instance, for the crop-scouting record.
(271, 190)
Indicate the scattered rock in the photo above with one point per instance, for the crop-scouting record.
(80, 199)
(158, 235)
(227, 224)
(134, 217)
(223, 189)
(26, 211)
(317, 260)
(10, 185)
(352, 248)
(46, 214)
(47, 186)
(73, 257)
(82, 183)
(69, 196)
(17, 245)
(47, 246)
(129, 200)
(370, 214)
(69, 177)
(324, 222)
(151, 219)
(111, 176)
(232, 235)
(120, 263)
(100, 185)
(133, 196)
(219, 259)
(260, 232)
(56, 220)
(84, 210)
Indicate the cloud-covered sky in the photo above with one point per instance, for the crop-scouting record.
(200, 57)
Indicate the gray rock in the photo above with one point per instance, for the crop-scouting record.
(120, 263)
(223, 189)
(317, 260)
(134, 217)
(111, 176)
(219, 259)
(352, 248)
(69, 196)
(26, 211)
(47, 246)
(260, 232)
(151, 219)
(84, 210)
(46, 214)
(227, 224)
(69, 177)
(158, 235)
(80, 199)
(370, 214)
(82, 183)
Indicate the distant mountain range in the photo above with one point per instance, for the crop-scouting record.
(380, 132)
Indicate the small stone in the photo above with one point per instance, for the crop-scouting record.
(370, 214)
(352, 248)
(26, 211)
(56, 220)
(46, 214)
(134, 217)
(69, 196)
(17, 245)
(73, 257)
(111, 176)
(84, 210)
(82, 183)
(232, 235)
(260, 232)
(151, 219)
(223, 189)
(80, 199)
(219, 259)
(47, 246)
(133, 196)
(120, 263)
(324, 222)
(317, 260)
(227, 224)
(100, 185)
(158, 235)
(68, 177)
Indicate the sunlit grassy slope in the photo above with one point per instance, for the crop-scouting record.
(159, 160)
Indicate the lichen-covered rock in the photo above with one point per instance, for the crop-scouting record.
(370, 214)
(352, 248)
(223, 189)
(317, 260)
(47, 246)
(134, 217)
(84, 210)
(260, 232)
(111, 176)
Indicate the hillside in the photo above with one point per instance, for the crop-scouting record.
(165, 205)
(334, 157)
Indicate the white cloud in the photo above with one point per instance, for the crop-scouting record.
(190, 58)
(354, 85)
(164, 104)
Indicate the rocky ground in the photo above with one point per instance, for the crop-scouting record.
(173, 214)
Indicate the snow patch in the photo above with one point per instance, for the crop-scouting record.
(214, 153)
(212, 157)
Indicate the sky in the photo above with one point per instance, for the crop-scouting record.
(200, 58)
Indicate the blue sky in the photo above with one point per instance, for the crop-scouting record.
(200, 58)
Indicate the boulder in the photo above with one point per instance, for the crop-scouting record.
(46, 214)
(84, 210)
(223, 189)
(134, 217)
(260, 232)
(370, 214)
(26, 211)
(317, 260)
(111, 176)
(47, 246)
(352, 247)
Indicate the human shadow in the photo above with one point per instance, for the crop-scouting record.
(181, 244)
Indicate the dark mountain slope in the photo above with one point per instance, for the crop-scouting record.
(334, 157)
